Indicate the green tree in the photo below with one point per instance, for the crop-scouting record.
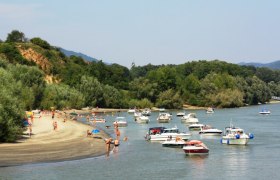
(31, 78)
(169, 99)
(258, 92)
(11, 108)
(92, 91)
(15, 36)
(112, 97)
(61, 96)
(142, 88)
(226, 98)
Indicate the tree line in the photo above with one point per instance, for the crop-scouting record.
(78, 83)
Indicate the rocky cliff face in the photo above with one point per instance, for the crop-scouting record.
(39, 59)
(42, 62)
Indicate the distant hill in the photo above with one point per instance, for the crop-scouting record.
(70, 53)
(272, 65)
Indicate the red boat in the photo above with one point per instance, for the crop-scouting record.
(195, 147)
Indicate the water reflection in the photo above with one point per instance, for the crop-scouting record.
(236, 159)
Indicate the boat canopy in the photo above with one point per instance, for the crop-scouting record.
(156, 130)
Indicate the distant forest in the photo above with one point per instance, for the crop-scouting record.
(34, 74)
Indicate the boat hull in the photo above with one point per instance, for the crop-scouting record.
(196, 151)
(121, 124)
(210, 133)
(160, 137)
(174, 144)
(141, 121)
(231, 141)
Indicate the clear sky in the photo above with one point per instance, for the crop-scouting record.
(151, 31)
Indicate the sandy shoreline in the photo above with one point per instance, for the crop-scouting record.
(69, 142)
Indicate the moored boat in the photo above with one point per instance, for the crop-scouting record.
(236, 136)
(177, 143)
(190, 119)
(264, 111)
(210, 131)
(97, 119)
(146, 112)
(180, 114)
(162, 134)
(210, 110)
(120, 122)
(195, 147)
(164, 117)
(131, 111)
(196, 127)
(142, 119)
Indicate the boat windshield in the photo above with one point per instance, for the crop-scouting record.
(171, 131)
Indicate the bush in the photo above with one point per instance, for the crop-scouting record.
(40, 42)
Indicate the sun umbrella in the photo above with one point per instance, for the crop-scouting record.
(95, 131)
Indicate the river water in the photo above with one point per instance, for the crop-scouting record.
(139, 159)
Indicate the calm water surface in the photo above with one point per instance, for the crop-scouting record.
(138, 159)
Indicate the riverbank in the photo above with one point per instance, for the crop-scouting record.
(68, 142)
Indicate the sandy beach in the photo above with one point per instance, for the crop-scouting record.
(68, 142)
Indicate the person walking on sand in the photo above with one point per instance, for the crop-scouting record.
(54, 125)
(52, 114)
(32, 118)
(30, 129)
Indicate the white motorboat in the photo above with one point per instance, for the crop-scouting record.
(97, 119)
(180, 114)
(210, 110)
(131, 111)
(142, 119)
(137, 114)
(120, 122)
(164, 117)
(264, 111)
(196, 127)
(195, 147)
(178, 143)
(210, 131)
(146, 112)
(162, 134)
(190, 119)
(236, 136)
(161, 109)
